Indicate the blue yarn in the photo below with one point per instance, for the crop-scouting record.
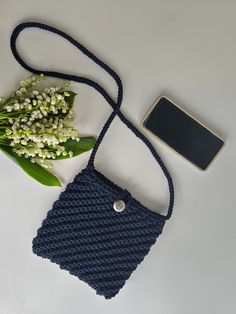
(82, 233)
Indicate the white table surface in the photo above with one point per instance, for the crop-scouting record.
(183, 49)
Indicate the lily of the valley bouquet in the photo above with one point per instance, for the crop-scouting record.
(35, 128)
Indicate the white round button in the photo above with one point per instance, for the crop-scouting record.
(119, 206)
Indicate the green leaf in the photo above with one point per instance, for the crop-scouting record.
(33, 169)
(69, 99)
(84, 145)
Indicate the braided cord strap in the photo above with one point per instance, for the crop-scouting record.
(86, 232)
(80, 79)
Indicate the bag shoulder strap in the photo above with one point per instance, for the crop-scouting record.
(81, 79)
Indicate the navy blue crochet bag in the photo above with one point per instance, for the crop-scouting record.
(96, 230)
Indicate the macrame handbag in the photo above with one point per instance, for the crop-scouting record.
(96, 230)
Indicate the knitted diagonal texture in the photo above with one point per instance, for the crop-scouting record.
(87, 237)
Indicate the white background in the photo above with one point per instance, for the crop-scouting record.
(183, 49)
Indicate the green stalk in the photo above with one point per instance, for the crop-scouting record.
(4, 143)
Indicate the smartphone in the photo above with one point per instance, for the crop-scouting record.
(183, 133)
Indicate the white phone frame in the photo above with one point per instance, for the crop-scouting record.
(167, 145)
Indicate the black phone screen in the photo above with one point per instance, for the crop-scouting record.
(183, 133)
